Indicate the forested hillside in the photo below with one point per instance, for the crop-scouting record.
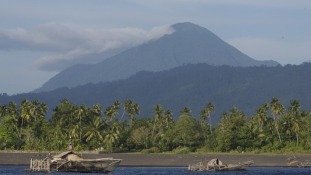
(193, 86)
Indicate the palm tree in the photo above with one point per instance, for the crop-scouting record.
(224, 138)
(3, 111)
(261, 115)
(132, 111)
(168, 115)
(294, 108)
(203, 116)
(43, 108)
(57, 130)
(25, 111)
(74, 132)
(110, 113)
(96, 111)
(157, 112)
(64, 116)
(112, 135)
(12, 112)
(252, 127)
(116, 106)
(80, 113)
(306, 119)
(294, 112)
(126, 107)
(185, 111)
(288, 122)
(34, 109)
(26, 116)
(210, 108)
(295, 129)
(94, 130)
(38, 110)
(276, 109)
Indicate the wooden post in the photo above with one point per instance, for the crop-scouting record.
(31, 167)
(49, 164)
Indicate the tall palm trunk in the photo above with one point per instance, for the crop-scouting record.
(210, 123)
(277, 128)
(122, 115)
(153, 128)
(80, 131)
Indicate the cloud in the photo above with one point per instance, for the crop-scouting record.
(70, 44)
(280, 50)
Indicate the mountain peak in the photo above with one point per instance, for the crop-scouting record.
(187, 26)
(190, 43)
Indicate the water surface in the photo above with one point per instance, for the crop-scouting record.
(16, 170)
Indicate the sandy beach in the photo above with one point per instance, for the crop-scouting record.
(164, 160)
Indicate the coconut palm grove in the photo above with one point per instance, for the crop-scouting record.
(116, 128)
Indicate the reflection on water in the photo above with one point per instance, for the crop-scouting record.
(16, 170)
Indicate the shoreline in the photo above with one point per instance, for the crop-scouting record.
(163, 160)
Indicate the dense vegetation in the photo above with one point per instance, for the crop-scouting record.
(272, 128)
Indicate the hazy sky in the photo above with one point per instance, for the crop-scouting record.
(40, 38)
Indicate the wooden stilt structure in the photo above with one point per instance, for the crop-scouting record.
(39, 165)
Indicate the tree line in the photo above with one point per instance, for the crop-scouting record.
(272, 128)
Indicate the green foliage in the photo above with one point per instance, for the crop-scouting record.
(181, 150)
(187, 130)
(272, 128)
(150, 150)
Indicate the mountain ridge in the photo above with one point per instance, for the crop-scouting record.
(191, 85)
(189, 43)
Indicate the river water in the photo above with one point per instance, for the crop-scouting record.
(17, 170)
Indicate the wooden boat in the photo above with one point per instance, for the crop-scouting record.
(217, 165)
(72, 162)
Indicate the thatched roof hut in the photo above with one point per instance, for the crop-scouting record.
(68, 155)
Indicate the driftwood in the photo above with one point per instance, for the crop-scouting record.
(292, 160)
(306, 164)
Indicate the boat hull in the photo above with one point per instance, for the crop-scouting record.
(105, 165)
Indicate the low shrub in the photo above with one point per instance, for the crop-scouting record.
(181, 150)
(202, 150)
(114, 150)
(150, 150)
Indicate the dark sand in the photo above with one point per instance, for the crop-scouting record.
(169, 160)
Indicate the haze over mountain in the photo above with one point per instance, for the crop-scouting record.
(189, 43)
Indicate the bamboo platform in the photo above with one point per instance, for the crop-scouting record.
(39, 165)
